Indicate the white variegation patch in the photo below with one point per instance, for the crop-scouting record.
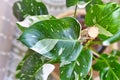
(44, 46)
(30, 20)
(47, 69)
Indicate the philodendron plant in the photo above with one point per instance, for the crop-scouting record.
(51, 40)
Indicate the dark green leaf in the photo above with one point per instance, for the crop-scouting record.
(30, 20)
(55, 39)
(77, 70)
(70, 3)
(109, 67)
(22, 9)
(106, 17)
(34, 67)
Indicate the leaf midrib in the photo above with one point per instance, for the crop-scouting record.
(110, 68)
(66, 40)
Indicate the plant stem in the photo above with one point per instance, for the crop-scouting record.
(95, 53)
(75, 11)
(87, 45)
(91, 73)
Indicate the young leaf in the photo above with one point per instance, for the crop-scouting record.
(101, 15)
(78, 69)
(30, 20)
(24, 8)
(34, 67)
(109, 67)
(55, 39)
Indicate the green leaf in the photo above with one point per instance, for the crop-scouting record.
(91, 3)
(112, 39)
(106, 16)
(70, 3)
(88, 77)
(24, 8)
(115, 53)
(103, 31)
(89, 15)
(109, 67)
(78, 69)
(30, 20)
(55, 39)
(34, 67)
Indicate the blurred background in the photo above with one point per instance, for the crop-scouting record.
(11, 50)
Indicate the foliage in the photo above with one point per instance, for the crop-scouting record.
(108, 66)
(70, 3)
(51, 40)
(24, 8)
(36, 65)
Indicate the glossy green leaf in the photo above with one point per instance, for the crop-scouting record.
(30, 20)
(91, 3)
(113, 39)
(109, 67)
(55, 39)
(24, 8)
(34, 67)
(77, 70)
(89, 15)
(105, 17)
(70, 3)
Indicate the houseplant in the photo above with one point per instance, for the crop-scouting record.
(51, 40)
